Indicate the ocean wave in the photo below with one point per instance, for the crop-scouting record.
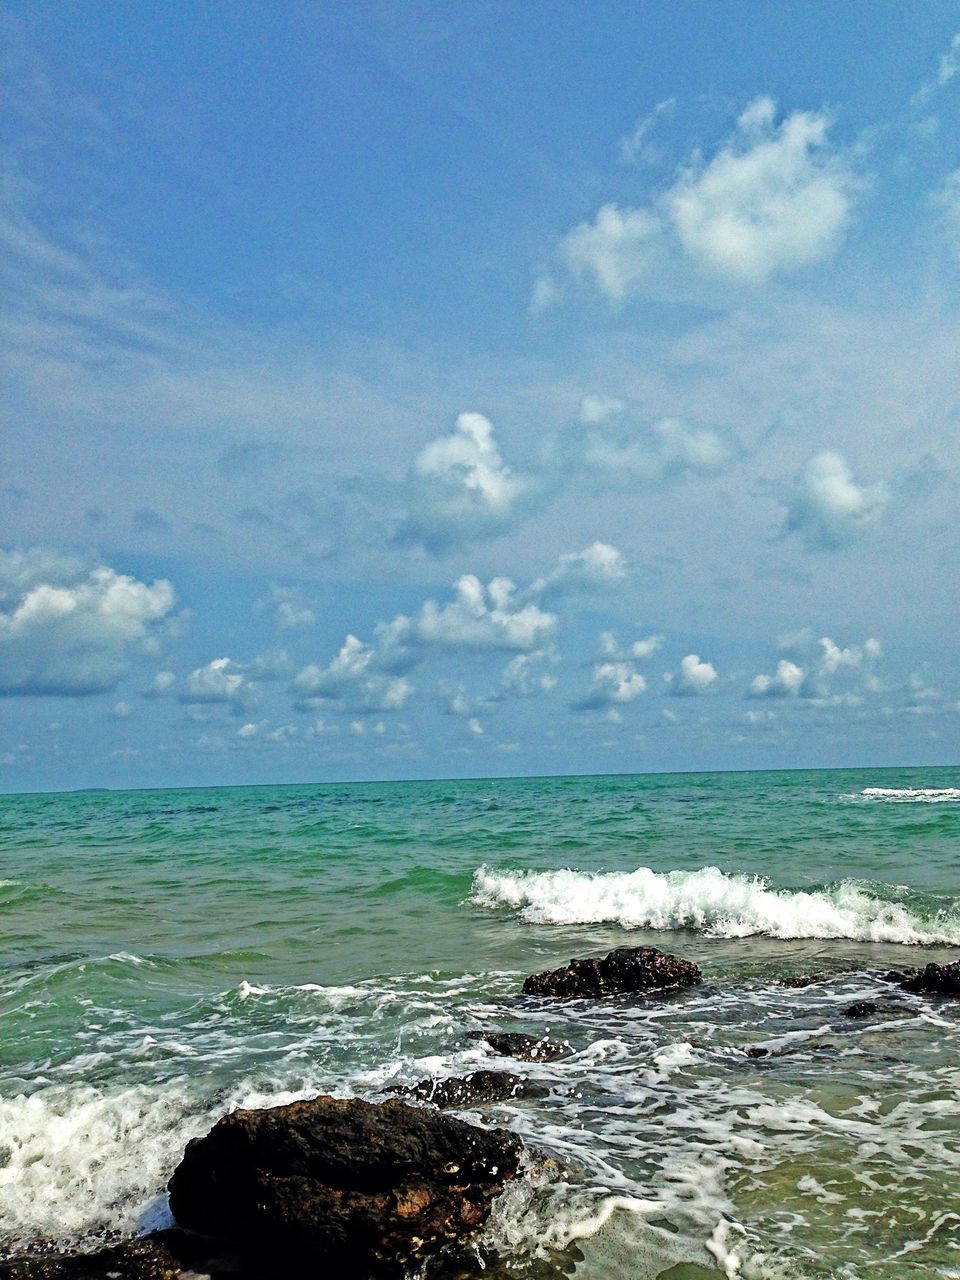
(712, 902)
(912, 795)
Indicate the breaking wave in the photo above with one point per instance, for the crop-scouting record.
(912, 795)
(714, 903)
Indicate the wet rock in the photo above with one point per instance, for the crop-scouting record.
(861, 1009)
(757, 1051)
(516, 1044)
(623, 971)
(165, 1255)
(472, 1090)
(350, 1187)
(803, 979)
(935, 980)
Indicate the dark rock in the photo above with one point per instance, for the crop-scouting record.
(757, 1051)
(861, 1009)
(516, 1044)
(352, 1187)
(149, 1258)
(899, 975)
(627, 969)
(471, 1090)
(803, 979)
(935, 980)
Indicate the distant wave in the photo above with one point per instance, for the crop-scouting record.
(711, 902)
(911, 795)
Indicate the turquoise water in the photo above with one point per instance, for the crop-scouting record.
(171, 954)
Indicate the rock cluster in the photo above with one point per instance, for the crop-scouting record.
(517, 1044)
(472, 1090)
(352, 1187)
(935, 979)
(623, 971)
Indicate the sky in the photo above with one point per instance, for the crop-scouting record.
(436, 390)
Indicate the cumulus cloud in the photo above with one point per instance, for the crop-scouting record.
(774, 197)
(613, 684)
(288, 606)
(356, 678)
(221, 681)
(70, 629)
(619, 452)
(486, 617)
(523, 675)
(694, 677)
(828, 509)
(596, 567)
(639, 649)
(460, 488)
(821, 666)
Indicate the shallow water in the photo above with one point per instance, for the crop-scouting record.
(172, 954)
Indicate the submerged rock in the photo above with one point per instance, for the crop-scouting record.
(625, 970)
(935, 979)
(802, 979)
(516, 1044)
(861, 1009)
(352, 1187)
(472, 1090)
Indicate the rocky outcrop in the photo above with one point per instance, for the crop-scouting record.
(354, 1188)
(472, 1090)
(935, 980)
(516, 1044)
(624, 971)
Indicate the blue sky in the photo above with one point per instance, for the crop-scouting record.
(425, 389)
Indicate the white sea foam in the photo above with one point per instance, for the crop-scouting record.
(710, 901)
(912, 795)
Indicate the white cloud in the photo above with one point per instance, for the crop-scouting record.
(694, 677)
(947, 68)
(289, 607)
(221, 680)
(485, 617)
(636, 145)
(774, 197)
(475, 727)
(613, 684)
(784, 683)
(162, 683)
(523, 677)
(828, 508)
(356, 678)
(620, 453)
(72, 630)
(594, 568)
(822, 665)
(637, 651)
(461, 489)
(616, 251)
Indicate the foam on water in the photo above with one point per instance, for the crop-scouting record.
(912, 795)
(711, 901)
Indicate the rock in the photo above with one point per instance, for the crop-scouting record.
(861, 1009)
(472, 1090)
(515, 1044)
(935, 980)
(625, 970)
(162, 1256)
(348, 1187)
(803, 979)
(757, 1051)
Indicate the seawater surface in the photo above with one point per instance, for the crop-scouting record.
(169, 955)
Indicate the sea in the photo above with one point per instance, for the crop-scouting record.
(171, 955)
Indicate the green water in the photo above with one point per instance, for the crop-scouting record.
(171, 954)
